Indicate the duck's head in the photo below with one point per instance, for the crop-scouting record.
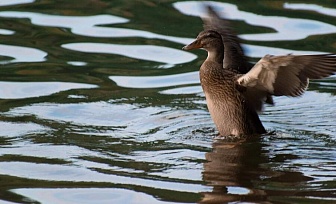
(209, 40)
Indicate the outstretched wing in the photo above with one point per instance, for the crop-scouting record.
(286, 75)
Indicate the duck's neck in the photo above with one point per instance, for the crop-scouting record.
(216, 54)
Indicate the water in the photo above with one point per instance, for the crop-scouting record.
(99, 104)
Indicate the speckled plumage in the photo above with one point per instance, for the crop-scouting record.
(227, 105)
(236, 89)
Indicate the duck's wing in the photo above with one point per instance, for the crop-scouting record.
(234, 57)
(287, 75)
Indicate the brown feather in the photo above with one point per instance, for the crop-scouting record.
(288, 75)
(235, 89)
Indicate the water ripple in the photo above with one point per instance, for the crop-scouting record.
(89, 25)
(304, 113)
(20, 90)
(286, 28)
(156, 81)
(55, 172)
(6, 32)
(96, 114)
(72, 22)
(149, 134)
(311, 7)
(15, 2)
(22, 54)
(143, 52)
(10, 129)
(88, 195)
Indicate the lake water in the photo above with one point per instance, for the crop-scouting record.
(99, 104)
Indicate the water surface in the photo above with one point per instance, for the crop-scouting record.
(99, 104)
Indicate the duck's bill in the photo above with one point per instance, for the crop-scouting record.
(194, 45)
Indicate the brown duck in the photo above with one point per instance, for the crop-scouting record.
(236, 89)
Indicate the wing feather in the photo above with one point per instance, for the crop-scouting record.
(288, 75)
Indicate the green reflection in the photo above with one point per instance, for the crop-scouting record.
(176, 136)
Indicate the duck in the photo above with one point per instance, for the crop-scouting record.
(236, 90)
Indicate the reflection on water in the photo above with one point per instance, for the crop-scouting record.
(6, 32)
(21, 54)
(311, 7)
(157, 81)
(143, 52)
(92, 195)
(15, 2)
(99, 104)
(54, 172)
(19, 90)
(286, 28)
(232, 168)
(9, 129)
(301, 113)
(97, 114)
(89, 25)
(75, 23)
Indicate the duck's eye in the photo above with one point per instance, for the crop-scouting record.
(211, 35)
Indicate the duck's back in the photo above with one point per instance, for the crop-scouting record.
(226, 103)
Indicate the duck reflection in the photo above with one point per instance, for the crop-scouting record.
(241, 171)
(232, 168)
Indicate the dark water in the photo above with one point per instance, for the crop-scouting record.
(99, 104)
